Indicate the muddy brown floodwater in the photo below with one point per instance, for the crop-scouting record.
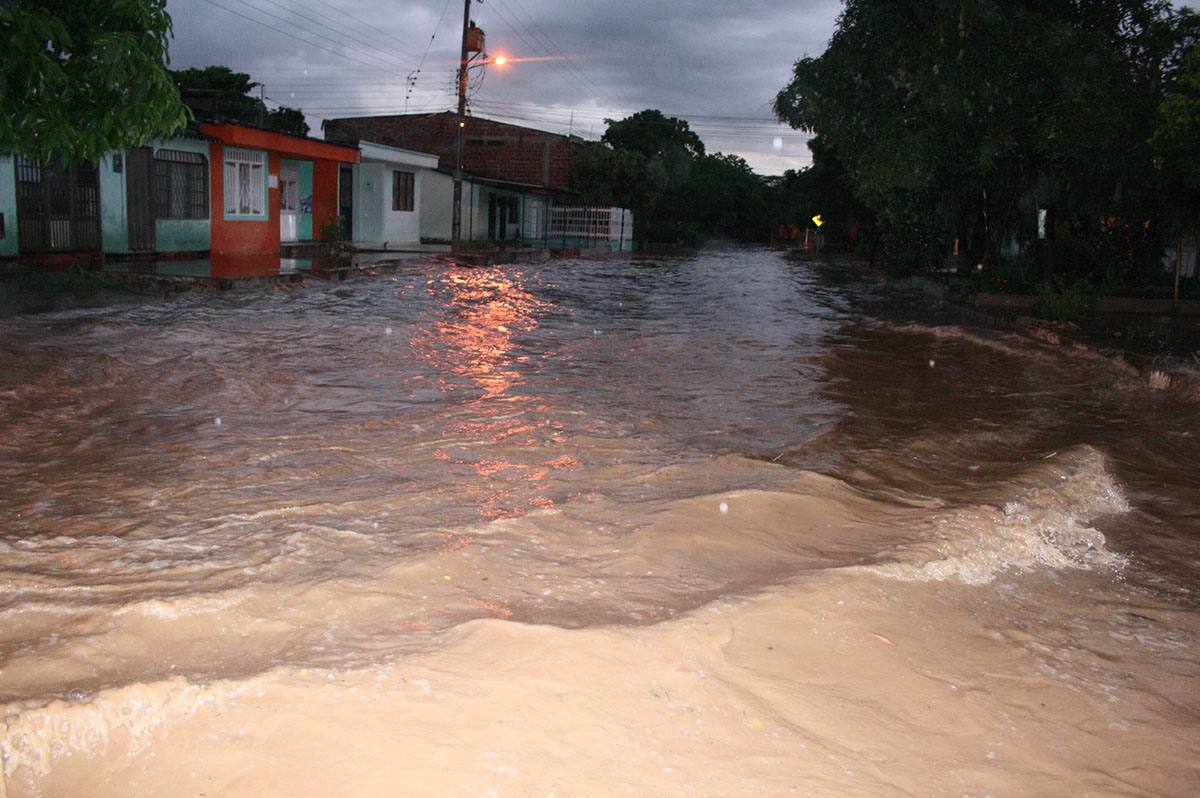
(720, 525)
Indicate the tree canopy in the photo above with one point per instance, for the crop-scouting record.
(959, 119)
(231, 90)
(657, 167)
(80, 77)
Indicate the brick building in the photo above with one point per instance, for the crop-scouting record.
(493, 150)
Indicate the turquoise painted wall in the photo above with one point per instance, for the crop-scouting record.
(8, 206)
(306, 190)
(114, 228)
(185, 235)
(304, 170)
(172, 235)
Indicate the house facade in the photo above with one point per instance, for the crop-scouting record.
(215, 189)
(274, 188)
(150, 199)
(384, 206)
(492, 210)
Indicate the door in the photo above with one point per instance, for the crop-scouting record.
(289, 204)
(58, 206)
(139, 199)
(346, 201)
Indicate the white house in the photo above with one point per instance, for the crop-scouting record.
(386, 207)
(492, 210)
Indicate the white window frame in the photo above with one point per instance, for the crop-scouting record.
(245, 183)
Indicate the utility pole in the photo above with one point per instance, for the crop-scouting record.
(456, 226)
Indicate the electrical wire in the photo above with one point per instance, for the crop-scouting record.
(557, 51)
(329, 28)
(292, 35)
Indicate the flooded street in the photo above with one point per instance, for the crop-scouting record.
(727, 524)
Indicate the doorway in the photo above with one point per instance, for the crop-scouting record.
(346, 200)
(58, 206)
(139, 199)
(289, 204)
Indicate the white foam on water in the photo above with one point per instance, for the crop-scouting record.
(1044, 526)
(34, 738)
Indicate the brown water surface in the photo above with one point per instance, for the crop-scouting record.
(727, 524)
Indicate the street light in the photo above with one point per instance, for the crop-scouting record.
(472, 42)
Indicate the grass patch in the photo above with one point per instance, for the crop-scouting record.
(1067, 302)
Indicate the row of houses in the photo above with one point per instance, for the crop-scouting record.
(234, 192)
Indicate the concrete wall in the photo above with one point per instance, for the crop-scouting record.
(8, 206)
(114, 227)
(368, 199)
(243, 235)
(184, 235)
(172, 235)
(436, 197)
(401, 226)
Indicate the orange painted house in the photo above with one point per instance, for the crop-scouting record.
(270, 188)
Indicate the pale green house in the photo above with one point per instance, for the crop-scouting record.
(152, 199)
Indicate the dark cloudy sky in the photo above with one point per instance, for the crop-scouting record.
(716, 63)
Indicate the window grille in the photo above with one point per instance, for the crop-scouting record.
(402, 191)
(245, 182)
(181, 185)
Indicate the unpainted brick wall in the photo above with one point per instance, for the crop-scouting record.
(491, 149)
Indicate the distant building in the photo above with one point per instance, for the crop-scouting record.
(494, 150)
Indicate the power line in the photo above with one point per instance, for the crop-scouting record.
(536, 48)
(294, 36)
(412, 78)
(364, 30)
(325, 32)
(570, 62)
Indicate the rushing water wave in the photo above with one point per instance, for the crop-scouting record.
(728, 524)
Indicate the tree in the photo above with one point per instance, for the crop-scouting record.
(668, 148)
(824, 188)
(80, 77)
(616, 178)
(959, 119)
(231, 91)
(1177, 155)
(657, 167)
(653, 135)
(725, 197)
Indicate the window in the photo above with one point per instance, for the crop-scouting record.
(245, 182)
(402, 191)
(180, 185)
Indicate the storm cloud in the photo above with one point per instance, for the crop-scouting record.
(714, 63)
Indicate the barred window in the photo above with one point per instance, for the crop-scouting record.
(402, 191)
(181, 185)
(245, 182)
